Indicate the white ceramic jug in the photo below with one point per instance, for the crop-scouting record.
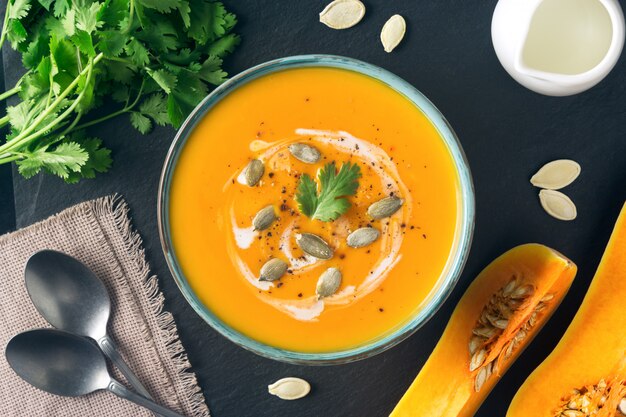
(558, 47)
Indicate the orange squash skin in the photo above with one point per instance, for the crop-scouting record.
(594, 346)
(445, 386)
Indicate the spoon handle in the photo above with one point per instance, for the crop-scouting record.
(110, 350)
(123, 392)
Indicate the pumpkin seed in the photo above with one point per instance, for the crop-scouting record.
(289, 388)
(486, 332)
(477, 359)
(509, 288)
(480, 379)
(264, 218)
(385, 207)
(362, 237)
(474, 343)
(305, 153)
(393, 32)
(522, 292)
(328, 283)
(342, 14)
(314, 245)
(253, 172)
(273, 269)
(622, 406)
(557, 205)
(556, 174)
(572, 413)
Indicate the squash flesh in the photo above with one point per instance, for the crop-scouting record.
(445, 386)
(592, 350)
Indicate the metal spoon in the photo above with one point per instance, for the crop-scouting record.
(65, 364)
(72, 298)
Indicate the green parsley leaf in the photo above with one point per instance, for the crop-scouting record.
(224, 46)
(330, 202)
(84, 43)
(165, 79)
(87, 16)
(163, 6)
(99, 160)
(155, 107)
(19, 9)
(211, 71)
(138, 53)
(140, 122)
(16, 33)
(63, 159)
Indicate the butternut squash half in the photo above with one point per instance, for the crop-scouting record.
(585, 375)
(499, 314)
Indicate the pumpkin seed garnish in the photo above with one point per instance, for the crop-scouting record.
(314, 245)
(328, 283)
(273, 269)
(342, 14)
(556, 174)
(362, 237)
(264, 218)
(289, 388)
(385, 207)
(253, 172)
(393, 32)
(305, 153)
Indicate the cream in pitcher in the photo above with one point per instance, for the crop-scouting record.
(558, 47)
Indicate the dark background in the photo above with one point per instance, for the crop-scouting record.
(508, 132)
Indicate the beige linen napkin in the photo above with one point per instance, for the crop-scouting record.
(98, 233)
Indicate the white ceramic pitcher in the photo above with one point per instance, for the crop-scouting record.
(558, 47)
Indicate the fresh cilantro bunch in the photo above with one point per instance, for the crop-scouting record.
(330, 202)
(156, 58)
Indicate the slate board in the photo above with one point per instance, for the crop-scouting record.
(507, 131)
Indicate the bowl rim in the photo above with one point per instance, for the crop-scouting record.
(456, 259)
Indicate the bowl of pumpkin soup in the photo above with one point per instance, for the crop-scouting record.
(316, 209)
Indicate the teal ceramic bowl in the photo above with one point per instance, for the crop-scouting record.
(458, 253)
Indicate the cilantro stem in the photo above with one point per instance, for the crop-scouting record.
(26, 136)
(5, 24)
(4, 120)
(8, 159)
(131, 15)
(123, 110)
(10, 92)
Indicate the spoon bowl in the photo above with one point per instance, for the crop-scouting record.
(68, 294)
(59, 363)
(65, 364)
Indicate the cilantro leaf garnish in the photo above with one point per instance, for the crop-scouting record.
(329, 202)
(156, 58)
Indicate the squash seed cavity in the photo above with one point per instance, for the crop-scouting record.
(393, 32)
(556, 174)
(557, 205)
(485, 354)
(289, 388)
(342, 14)
(591, 400)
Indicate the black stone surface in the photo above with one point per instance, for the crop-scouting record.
(507, 131)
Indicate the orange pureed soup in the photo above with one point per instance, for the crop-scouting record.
(348, 117)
